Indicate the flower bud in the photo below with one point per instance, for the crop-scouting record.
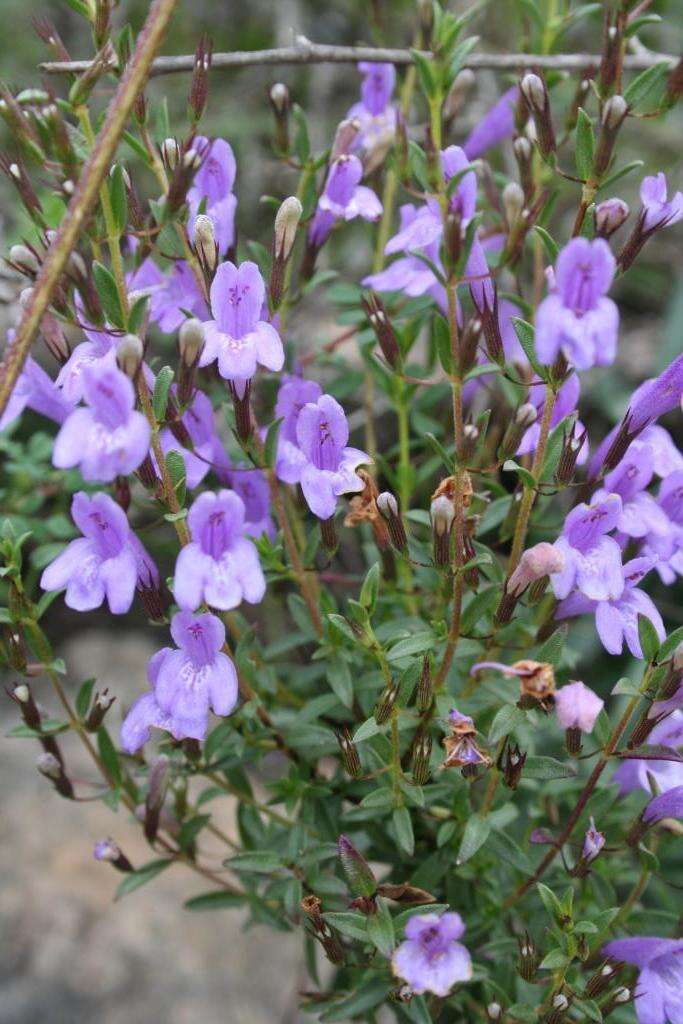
(613, 114)
(286, 224)
(422, 751)
(525, 416)
(529, 959)
(512, 765)
(425, 689)
(513, 202)
(24, 260)
(442, 515)
(191, 337)
(205, 243)
(49, 765)
(280, 103)
(344, 137)
(387, 506)
(386, 702)
(609, 215)
(571, 449)
(199, 86)
(383, 328)
(156, 791)
(170, 153)
(619, 997)
(494, 1011)
(349, 752)
(99, 708)
(109, 851)
(559, 1007)
(523, 151)
(535, 93)
(533, 90)
(129, 352)
(598, 982)
(543, 559)
(359, 876)
(470, 437)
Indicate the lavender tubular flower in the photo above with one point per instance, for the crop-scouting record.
(238, 338)
(577, 318)
(376, 114)
(35, 390)
(659, 992)
(666, 805)
(103, 564)
(109, 438)
(431, 959)
(294, 394)
(577, 707)
(186, 682)
(635, 773)
(220, 565)
(497, 124)
(212, 185)
(592, 560)
(343, 198)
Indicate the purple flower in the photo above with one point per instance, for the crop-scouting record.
(536, 562)
(251, 485)
(592, 561)
(185, 683)
(659, 993)
(659, 211)
(657, 397)
(496, 124)
(294, 394)
(640, 514)
(634, 772)
(172, 295)
(238, 337)
(343, 198)
(616, 619)
(565, 403)
(410, 274)
(329, 467)
(221, 565)
(105, 562)
(577, 318)
(666, 805)
(207, 449)
(577, 707)
(35, 390)
(375, 112)
(212, 186)
(431, 959)
(592, 844)
(109, 438)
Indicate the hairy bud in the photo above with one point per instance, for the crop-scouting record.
(442, 515)
(609, 216)
(129, 352)
(387, 506)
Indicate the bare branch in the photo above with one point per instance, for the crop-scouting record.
(83, 199)
(306, 52)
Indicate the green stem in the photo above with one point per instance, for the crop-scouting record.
(529, 496)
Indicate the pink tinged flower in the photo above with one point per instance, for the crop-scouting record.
(658, 210)
(104, 563)
(497, 124)
(666, 805)
(212, 185)
(35, 390)
(431, 959)
(593, 842)
(537, 562)
(577, 318)
(293, 395)
(636, 773)
(577, 707)
(238, 337)
(220, 566)
(659, 992)
(592, 560)
(109, 438)
(640, 514)
(330, 468)
(186, 683)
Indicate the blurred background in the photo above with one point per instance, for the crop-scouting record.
(67, 953)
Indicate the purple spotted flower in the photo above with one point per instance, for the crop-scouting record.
(375, 112)
(186, 681)
(238, 338)
(431, 959)
(109, 438)
(565, 404)
(329, 469)
(635, 773)
(497, 124)
(106, 562)
(616, 618)
(592, 560)
(658, 210)
(659, 992)
(35, 390)
(577, 318)
(343, 198)
(577, 707)
(212, 186)
(294, 394)
(221, 565)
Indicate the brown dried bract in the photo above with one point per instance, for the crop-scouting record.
(537, 683)
(363, 509)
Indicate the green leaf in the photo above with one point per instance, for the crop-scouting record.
(426, 72)
(258, 862)
(403, 827)
(135, 879)
(440, 451)
(551, 650)
(670, 644)
(636, 91)
(370, 588)
(417, 644)
(551, 246)
(365, 731)
(480, 605)
(548, 768)
(475, 835)
(217, 900)
(302, 143)
(83, 697)
(555, 959)
(137, 314)
(525, 477)
(270, 447)
(109, 757)
(442, 342)
(550, 901)
(175, 465)
(105, 285)
(118, 198)
(381, 928)
(506, 721)
(353, 926)
(584, 145)
(359, 1002)
(341, 683)
(649, 641)
(161, 388)
(525, 334)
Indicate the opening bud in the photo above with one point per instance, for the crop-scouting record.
(109, 851)
(205, 243)
(494, 1011)
(525, 416)
(24, 259)
(387, 506)
(191, 342)
(100, 706)
(609, 216)
(529, 959)
(422, 752)
(49, 765)
(598, 982)
(170, 153)
(442, 515)
(349, 752)
(286, 224)
(280, 102)
(129, 352)
(513, 202)
(383, 328)
(535, 93)
(385, 704)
